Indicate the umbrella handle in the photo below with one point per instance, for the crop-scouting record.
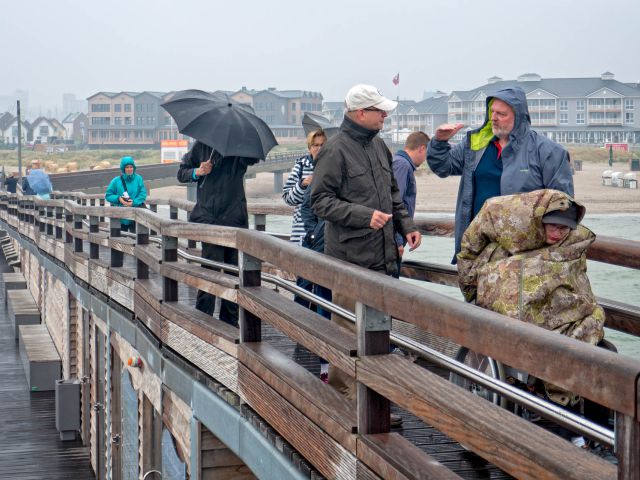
(205, 177)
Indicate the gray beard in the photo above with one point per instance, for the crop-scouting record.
(500, 132)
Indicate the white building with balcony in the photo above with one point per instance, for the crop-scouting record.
(594, 110)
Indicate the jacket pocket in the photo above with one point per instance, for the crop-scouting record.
(355, 169)
(351, 233)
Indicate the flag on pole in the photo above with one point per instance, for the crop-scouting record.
(396, 79)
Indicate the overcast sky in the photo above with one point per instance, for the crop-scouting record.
(86, 46)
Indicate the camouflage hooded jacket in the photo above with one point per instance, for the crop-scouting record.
(506, 266)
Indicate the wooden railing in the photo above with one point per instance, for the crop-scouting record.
(340, 438)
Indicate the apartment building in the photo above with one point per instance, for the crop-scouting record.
(124, 119)
(593, 110)
(412, 116)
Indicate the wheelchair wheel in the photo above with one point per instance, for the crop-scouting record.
(484, 364)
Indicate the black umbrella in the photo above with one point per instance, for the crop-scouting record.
(313, 121)
(229, 127)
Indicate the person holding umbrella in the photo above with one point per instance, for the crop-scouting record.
(39, 183)
(230, 138)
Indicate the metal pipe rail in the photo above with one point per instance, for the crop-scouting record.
(546, 409)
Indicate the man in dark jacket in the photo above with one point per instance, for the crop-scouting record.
(405, 162)
(11, 182)
(502, 157)
(354, 190)
(221, 201)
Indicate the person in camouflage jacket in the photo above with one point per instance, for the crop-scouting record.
(506, 265)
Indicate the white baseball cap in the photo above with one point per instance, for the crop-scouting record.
(364, 96)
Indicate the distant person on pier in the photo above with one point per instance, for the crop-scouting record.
(355, 192)
(221, 200)
(503, 156)
(11, 182)
(314, 240)
(26, 188)
(405, 163)
(294, 191)
(127, 190)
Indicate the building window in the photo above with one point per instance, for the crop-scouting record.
(580, 105)
(150, 121)
(629, 104)
(629, 117)
(117, 120)
(127, 107)
(564, 106)
(293, 106)
(100, 121)
(44, 131)
(564, 118)
(293, 119)
(580, 119)
(127, 120)
(100, 107)
(117, 107)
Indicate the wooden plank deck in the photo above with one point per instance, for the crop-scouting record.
(30, 446)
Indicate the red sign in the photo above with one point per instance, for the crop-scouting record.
(617, 147)
(173, 143)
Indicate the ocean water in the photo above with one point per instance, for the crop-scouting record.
(607, 281)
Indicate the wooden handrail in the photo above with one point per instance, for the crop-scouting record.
(602, 376)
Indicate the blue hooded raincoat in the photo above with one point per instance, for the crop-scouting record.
(135, 187)
(529, 162)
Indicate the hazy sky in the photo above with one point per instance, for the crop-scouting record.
(85, 46)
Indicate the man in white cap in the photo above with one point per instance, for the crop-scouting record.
(355, 191)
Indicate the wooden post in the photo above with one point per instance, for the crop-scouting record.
(373, 339)
(68, 219)
(94, 227)
(260, 222)
(154, 208)
(142, 238)
(42, 226)
(169, 254)
(50, 219)
(117, 257)
(250, 276)
(628, 447)
(77, 227)
(59, 212)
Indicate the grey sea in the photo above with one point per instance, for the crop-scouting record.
(608, 281)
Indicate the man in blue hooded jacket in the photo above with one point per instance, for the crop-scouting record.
(127, 190)
(502, 157)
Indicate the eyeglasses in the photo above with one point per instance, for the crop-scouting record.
(372, 109)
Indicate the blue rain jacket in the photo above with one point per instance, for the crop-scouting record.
(135, 187)
(530, 161)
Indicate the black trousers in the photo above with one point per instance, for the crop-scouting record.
(205, 302)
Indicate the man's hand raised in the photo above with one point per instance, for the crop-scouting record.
(447, 131)
(379, 219)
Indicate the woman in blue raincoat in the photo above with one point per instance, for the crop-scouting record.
(127, 190)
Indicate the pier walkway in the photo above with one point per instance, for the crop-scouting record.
(30, 446)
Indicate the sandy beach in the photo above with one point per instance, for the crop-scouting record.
(438, 195)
